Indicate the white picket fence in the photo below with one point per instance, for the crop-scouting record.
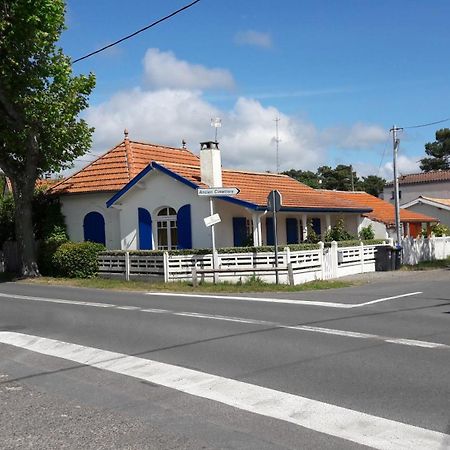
(417, 250)
(306, 265)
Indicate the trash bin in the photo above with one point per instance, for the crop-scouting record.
(383, 258)
(396, 257)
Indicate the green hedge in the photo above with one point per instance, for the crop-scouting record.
(77, 259)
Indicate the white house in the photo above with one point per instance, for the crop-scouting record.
(434, 184)
(144, 196)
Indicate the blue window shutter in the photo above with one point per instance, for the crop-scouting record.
(94, 228)
(239, 231)
(145, 229)
(184, 227)
(316, 225)
(291, 230)
(270, 235)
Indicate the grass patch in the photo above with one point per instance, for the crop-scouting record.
(428, 265)
(252, 284)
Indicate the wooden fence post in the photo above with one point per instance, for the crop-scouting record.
(290, 274)
(166, 266)
(127, 266)
(334, 259)
(361, 253)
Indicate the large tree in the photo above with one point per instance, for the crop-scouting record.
(438, 152)
(372, 184)
(341, 178)
(304, 176)
(40, 100)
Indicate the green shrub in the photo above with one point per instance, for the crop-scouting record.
(77, 259)
(367, 233)
(47, 249)
(440, 229)
(338, 233)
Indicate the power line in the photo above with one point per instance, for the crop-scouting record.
(136, 32)
(428, 124)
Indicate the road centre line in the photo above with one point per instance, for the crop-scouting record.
(284, 300)
(355, 426)
(274, 325)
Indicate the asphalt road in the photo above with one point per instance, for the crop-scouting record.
(232, 368)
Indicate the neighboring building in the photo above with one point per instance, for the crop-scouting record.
(437, 207)
(144, 196)
(382, 216)
(435, 184)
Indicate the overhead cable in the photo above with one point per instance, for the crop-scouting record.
(136, 32)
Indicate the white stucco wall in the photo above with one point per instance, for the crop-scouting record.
(76, 206)
(410, 192)
(379, 228)
(154, 191)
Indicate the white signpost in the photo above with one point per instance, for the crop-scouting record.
(212, 220)
(215, 218)
(218, 192)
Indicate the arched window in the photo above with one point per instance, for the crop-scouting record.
(94, 227)
(166, 229)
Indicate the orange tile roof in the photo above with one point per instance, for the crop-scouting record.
(424, 177)
(113, 170)
(255, 187)
(382, 211)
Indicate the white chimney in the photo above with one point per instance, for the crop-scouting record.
(210, 164)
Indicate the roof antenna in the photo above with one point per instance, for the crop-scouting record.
(277, 143)
(216, 122)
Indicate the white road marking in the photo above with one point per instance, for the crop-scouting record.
(284, 300)
(355, 426)
(331, 331)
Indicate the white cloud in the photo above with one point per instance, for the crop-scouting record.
(175, 108)
(255, 38)
(168, 116)
(358, 136)
(164, 70)
(405, 164)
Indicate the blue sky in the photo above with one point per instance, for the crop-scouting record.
(337, 74)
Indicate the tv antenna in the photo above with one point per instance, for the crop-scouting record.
(216, 122)
(277, 144)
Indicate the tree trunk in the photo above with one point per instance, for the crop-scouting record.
(23, 196)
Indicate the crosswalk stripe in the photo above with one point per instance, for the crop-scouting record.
(355, 426)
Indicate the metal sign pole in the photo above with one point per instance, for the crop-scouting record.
(275, 238)
(213, 239)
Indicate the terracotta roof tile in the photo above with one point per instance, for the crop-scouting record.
(424, 177)
(113, 170)
(256, 186)
(382, 211)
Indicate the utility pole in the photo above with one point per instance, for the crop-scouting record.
(395, 145)
(351, 177)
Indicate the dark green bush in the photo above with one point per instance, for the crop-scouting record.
(367, 233)
(338, 233)
(47, 249)
(77, 259)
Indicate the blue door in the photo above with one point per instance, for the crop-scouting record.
(94, 228)
(316, 226)
(239, 231)
(145, 229)
(291, 230)
(184, 227)
(270, 235)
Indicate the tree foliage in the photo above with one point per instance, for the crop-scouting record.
(40, 100)
(438, 152)
(304, 176)
(341, 178)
